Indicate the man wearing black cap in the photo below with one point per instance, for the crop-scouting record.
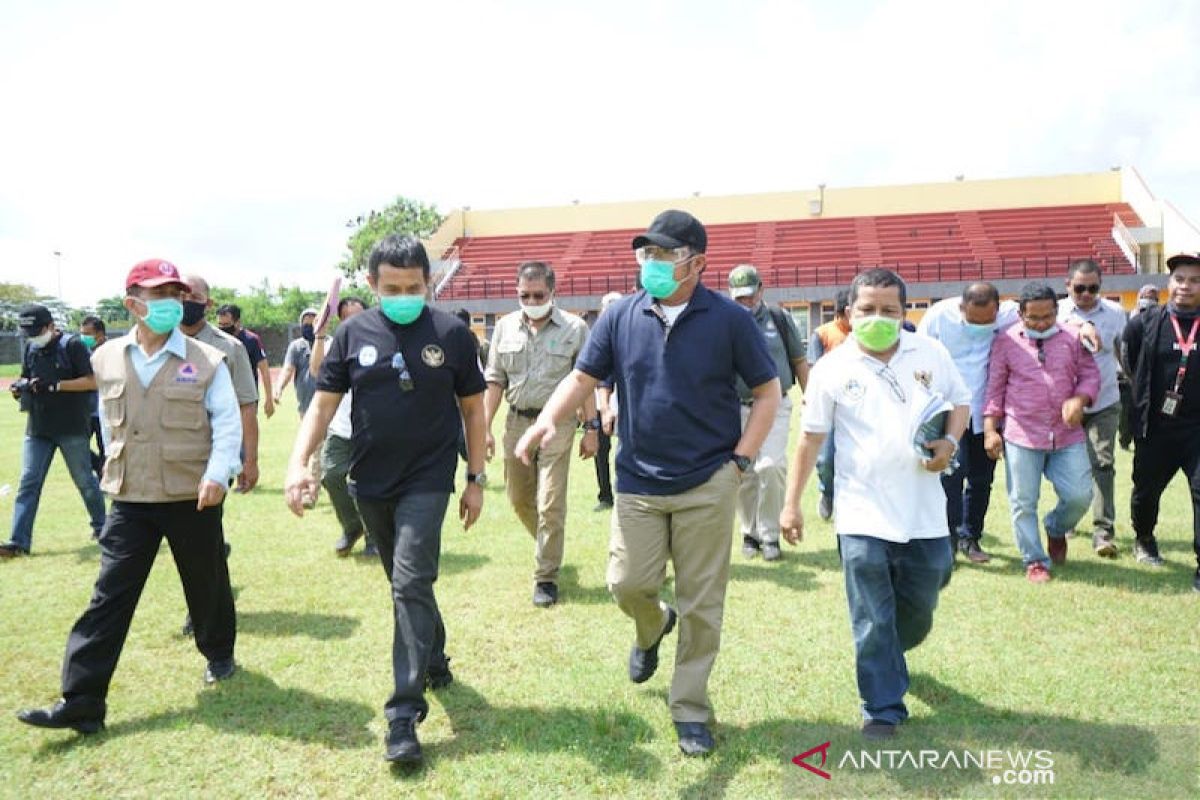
(56, 379)
(674, 350)
(1160, 350)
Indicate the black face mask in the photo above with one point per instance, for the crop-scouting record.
(193, 312)
(230, 329)
(306, 331)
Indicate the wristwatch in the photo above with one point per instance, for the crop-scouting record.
(479, 478)
(743, 463)
(593, 424)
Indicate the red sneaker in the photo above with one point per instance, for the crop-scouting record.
(1037, 573)
(1057, 548)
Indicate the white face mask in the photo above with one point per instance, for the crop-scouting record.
(538, 312)
(41, 340)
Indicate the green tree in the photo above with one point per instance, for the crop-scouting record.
(112, 309)
(17, 293)
(404, 216)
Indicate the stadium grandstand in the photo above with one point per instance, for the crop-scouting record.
(808, 244)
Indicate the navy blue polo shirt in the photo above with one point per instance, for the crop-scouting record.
(680, 416)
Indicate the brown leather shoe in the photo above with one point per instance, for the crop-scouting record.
(974, 553)
(1057, 549)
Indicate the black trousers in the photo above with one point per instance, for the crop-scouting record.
(98, 457)
(967, 506)
(603, 475)
(1156, 459)
(128, 545)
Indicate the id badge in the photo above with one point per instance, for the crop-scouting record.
(1171, 402)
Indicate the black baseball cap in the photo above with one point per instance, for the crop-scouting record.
(33, 318)
(1183, 260)
(674, 229)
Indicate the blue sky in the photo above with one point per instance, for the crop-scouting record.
(235, 138)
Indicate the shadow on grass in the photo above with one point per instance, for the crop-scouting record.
(295, 623)
(825, 559)
(1123, 572)
(1150, 758)
(448, 563)
(570, 590)
(608, 739)
(251, 704)
(786, 573)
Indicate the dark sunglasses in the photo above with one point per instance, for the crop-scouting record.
(406, 381)
(1089, 288)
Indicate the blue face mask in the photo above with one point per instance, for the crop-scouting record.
(402, 308)
(1030, 333)
(976, 330)
(163, 315)
(658, 278)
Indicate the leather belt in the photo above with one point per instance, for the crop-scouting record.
(527, 413)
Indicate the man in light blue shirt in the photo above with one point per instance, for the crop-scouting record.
(1082, 305)
(966, 326)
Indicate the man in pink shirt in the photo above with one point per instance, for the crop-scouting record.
(1040, 379)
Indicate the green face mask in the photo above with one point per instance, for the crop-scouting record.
(90, 341)
(876, 333)
(163, 315)
(658, 278)
(402, 308)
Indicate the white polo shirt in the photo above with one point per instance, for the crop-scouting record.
(881, 488)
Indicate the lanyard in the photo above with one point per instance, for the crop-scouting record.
(1185, 346)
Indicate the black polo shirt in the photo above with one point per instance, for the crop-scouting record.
(680, 415)
(404, 441)
(62, 413)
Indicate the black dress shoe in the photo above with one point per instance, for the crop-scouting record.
(402, 744)
(369, 548)
(695, 739)
(346, 543)
(878, 729)
(188, 629)
(644, 663)
(219, 670)
(545, 594)
(439, 676)
(84, 716)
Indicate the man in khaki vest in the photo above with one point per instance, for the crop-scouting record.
(172, 431)
(533, 348)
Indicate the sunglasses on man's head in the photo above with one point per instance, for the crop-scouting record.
(1041, 348)
(406, 381)
(1089, 288)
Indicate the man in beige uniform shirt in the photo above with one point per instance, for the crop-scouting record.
(533, 349)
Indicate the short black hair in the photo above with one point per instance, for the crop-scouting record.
(94, 321)
(402, 252)
(841, 301)
(980, 294)
(536, 271)
(878, 278)
(1086, 265)
(349, 301)
(232, 309)
(1033, 292)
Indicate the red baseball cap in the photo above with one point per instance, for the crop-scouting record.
(154, 272)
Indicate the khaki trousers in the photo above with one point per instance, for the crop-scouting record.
(538, 492)
(694, 530)
(760, 498)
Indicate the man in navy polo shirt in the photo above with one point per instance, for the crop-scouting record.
(674, 350)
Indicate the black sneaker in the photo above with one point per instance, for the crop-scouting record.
(1145, 550)
(878, 729)
(771, 551)
(644, 663)
(438, 675)
(545, 594)
(221, 670)
(402, 744)
(749, 547)
(695, 739)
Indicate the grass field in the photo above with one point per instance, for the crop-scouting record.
(1099, 667)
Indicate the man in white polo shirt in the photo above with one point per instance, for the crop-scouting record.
(891, 511)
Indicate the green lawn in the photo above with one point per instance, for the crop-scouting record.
(1099, 667)
(10, 370)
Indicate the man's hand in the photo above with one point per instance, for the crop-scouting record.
(791, 524)
(489, 442)
(1090, 337)
(249, 477)
(299, 488)
(276, 397)
(39, 386)
(470, 505)
(269, 406)
(211, 494)
(608, 421)
(536, 436)
(589, 444)
(1072, 411)
(993, 443)
(943, 452)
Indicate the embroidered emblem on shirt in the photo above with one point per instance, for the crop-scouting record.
(368, 356)
(923, 377)
(186, 373)
(433, 356)
(854, 389)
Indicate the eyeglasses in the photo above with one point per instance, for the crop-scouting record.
(406, 381)
(536, 297)
(1089, 288)
(893, 383)
(1041, 348)
(651, 252)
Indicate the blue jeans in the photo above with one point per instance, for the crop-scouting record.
(825, 467)
(408, 532)
(1068, 470)
(892, 590)
(35, 463)
(969, 488)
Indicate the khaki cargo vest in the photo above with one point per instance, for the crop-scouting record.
(160, 436)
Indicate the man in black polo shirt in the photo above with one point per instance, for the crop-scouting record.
(411, 369)
(1160, 346)
(55, 388)
(674, 350)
